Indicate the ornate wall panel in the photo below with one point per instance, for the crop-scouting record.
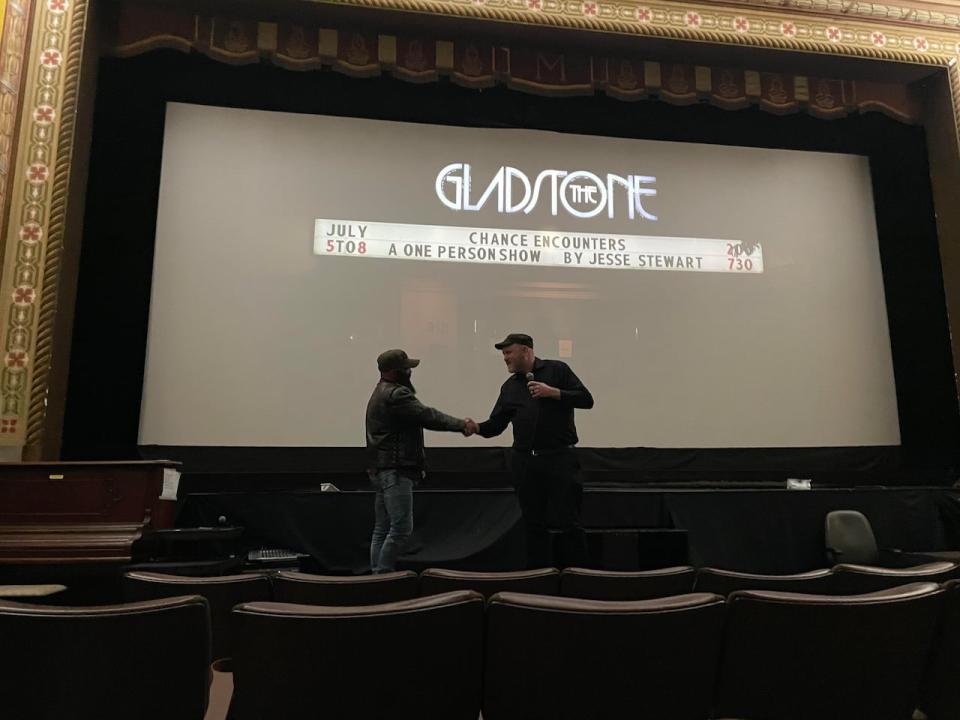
(14, 21)
(34, 231)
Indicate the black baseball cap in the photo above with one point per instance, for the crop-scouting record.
(395, 360)
(515, 339)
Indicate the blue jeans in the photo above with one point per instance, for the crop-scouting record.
(393, 510)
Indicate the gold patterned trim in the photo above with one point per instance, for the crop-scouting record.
(953, 74)
(38, 212)
(13, 46)
(701, 23)
(69, 88)
(940, 15)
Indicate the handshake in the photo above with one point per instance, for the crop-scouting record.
(470, 427)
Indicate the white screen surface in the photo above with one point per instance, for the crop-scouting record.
(259, 336)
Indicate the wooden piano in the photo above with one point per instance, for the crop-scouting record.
(58, 513)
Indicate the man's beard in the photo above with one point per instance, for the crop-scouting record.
(406, 380)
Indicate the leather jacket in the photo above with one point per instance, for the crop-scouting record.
(395, 423)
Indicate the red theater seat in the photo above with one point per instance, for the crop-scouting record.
(618, 585)
(146, 660)
(412, 659)
(222, 593)
(940, 693)
(570, 659)
(542, 581)
(856, 579)
(297, 587)
(821, 657)
(724, 582)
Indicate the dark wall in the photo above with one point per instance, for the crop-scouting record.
(103, 403)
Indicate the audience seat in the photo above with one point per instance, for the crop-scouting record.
(414, 659)
(222, 593)
(856, 579)
(306, 589)
(542, 581)
(724, 582)
(147, 660)
(940, 691)
(571, 659)
(620, 585)
(790, 656)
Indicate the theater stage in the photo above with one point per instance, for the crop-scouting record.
(751, 529)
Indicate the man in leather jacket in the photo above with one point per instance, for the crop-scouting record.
(395, 423)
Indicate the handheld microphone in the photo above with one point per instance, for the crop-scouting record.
(529, 376)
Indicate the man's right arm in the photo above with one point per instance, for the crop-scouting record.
(403, 404)
(500, 417)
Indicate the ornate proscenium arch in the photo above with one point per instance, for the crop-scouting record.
(35, 199)
(477, 64)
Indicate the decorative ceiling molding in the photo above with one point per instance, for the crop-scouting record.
(944, 15)
(476, 63)
(780, 28)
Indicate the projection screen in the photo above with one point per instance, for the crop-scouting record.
(709, 296)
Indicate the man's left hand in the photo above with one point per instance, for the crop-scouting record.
(542, 390)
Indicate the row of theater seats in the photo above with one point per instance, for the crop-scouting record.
(756, 655)
(293, 587)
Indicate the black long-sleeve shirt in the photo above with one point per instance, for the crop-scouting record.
(539, 423)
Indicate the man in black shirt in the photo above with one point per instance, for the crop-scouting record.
(539, 399)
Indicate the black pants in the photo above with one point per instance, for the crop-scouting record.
(550, 492)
